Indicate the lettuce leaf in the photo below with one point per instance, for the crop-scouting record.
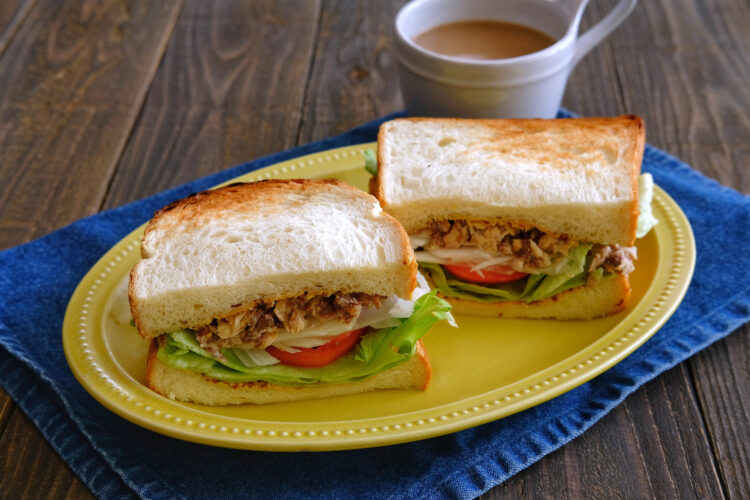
(571, 275)
(371, 162)
(378, 351)
(646, 219)
(534, 287)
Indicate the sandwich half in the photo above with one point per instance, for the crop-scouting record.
(519, 218)
(280, 291)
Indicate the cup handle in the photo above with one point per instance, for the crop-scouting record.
(603, 28)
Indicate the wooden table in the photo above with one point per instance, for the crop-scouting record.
(104, 102)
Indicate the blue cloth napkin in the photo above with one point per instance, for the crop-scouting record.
(117, 459)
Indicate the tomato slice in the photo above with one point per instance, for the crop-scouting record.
(489, 276)
(321, 355)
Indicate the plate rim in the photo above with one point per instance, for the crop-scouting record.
(142, 406)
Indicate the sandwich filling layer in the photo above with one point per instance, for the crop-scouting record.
(485, 244)
(384, 345)
(260, 326)
(492, 261)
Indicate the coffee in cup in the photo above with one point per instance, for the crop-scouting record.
(477, 39)
(530, 85)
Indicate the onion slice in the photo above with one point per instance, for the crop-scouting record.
(492, 262)
(419, 240)
(255, 357)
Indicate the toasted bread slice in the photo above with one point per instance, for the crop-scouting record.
(183, 385)
(577, 177)
(606, 297)
(216, 251)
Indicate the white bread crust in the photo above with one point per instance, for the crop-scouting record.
(220, 250)
(566, 176)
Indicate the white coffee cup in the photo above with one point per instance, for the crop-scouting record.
(529, 86)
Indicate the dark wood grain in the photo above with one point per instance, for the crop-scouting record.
(31, 468)
(652, 446)
(230, 88)
(593, 87)
(74, 78)
(687, 74)
(354, 76)
(6, 408)
(12, 14)
(74, 75)
(672, 438)
(722, 378)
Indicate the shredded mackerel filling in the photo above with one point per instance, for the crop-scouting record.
(613, 258)
(529, 249)
(259, 326)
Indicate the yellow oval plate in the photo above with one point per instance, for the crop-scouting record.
(484, 370)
